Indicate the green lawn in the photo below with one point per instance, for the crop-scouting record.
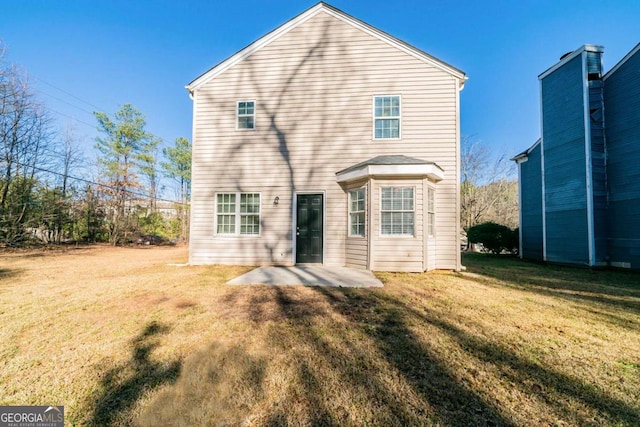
(120, 337)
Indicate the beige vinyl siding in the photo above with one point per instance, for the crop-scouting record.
(398, 253)
(357, 253)
(430, 242)
(313, 89)
(356, 247)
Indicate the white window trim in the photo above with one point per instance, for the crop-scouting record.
(238, 115)
(373, 115)
(364, 211)
(238, 215)
(398, 236)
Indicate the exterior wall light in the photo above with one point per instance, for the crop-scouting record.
(276, 201)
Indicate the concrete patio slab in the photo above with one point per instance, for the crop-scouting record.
(308, 276)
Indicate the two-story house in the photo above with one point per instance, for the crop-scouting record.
(327, 141)
(579, 183)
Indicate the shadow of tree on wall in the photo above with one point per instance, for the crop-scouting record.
(295, 139)
(312, 58)
(124, 385)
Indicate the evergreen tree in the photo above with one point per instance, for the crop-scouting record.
(148, 164)
(124, 144)
(178, 168)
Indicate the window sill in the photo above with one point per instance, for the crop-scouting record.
(236, 236)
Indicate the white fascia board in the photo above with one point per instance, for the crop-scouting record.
(524, 156)
(304, 16)
(432, 172)
(572, 55)
(521, 159)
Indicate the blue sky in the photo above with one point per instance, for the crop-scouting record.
(97, 55)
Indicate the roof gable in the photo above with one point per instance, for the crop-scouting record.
(305, 16)
(620, 63)
(569, 56)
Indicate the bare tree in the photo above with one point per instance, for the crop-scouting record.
(68, 157)
(488, 191)
(25, 136)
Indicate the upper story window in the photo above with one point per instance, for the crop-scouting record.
(246, 114)
(356, 212)
(397, 211)
(386, 117)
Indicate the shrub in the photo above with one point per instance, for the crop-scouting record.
(494, 237)
(514, 241)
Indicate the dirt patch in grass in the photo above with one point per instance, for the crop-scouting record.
(120, 337)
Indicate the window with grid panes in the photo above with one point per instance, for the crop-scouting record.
(238, 213)
(357, 212)
(386, 117)
(226, 214)
(397, 211)
(246, 115)
(249, 213)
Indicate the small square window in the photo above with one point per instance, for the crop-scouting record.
(246, 113)
(386, 117)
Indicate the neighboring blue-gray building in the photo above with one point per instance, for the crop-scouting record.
(580, 182)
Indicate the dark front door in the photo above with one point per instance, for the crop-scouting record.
(309, 226)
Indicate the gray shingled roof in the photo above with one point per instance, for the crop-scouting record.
(389, 160)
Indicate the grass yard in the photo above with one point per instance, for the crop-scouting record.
(120, 337)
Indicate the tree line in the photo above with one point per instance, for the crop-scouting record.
(46, 193)
(488, 194)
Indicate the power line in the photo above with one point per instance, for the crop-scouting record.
(66, 102)
(76, 160)
(130, 192)
(71, 95)
(92, 126)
